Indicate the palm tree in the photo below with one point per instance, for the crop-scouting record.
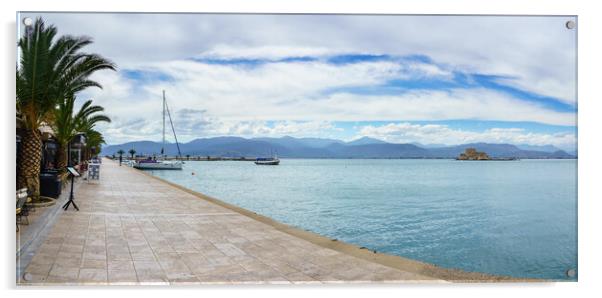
(94, 141)
(67, 125)
(86, 120)
(49, 71)
(187, 156)
(132, 152)
(120, 152)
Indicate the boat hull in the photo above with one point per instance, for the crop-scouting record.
(158, 166)
(267, 162)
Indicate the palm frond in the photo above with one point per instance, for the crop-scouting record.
(52, 69)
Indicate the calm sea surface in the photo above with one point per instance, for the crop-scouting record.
(513, 218)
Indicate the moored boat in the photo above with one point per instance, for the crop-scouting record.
(160, 164)
(271, 161)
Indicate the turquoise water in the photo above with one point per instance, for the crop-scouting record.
(514, 218)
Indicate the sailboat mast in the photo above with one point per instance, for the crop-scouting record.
(173, 129)
(163, 146)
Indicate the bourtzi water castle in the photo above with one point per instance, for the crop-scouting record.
(473, 154)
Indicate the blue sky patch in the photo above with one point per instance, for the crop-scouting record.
(253, 61)
(357, 58)
(144, 76)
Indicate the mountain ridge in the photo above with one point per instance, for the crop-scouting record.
(327, 148)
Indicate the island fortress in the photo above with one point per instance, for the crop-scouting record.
(473, 154)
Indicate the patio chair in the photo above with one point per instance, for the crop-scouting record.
(29, 204)
(22, 210)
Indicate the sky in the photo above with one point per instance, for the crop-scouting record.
(403, 79)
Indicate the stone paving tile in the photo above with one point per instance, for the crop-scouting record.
(62, 271)
(40, 269)
(121, 265)
(122, 276)
(92, 275)
(68, 261)
(39, 261)
(132, 229)
(94, 264)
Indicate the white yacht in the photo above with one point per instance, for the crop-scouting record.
(152, 164)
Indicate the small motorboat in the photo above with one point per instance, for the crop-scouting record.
(270, 161)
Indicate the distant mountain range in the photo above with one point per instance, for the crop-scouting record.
(329, 148)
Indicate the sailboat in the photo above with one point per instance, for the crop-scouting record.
(154, 164)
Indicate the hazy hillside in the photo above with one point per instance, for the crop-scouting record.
(326, 148)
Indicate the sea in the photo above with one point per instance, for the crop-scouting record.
(512, 218)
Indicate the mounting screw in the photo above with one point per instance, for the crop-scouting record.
(27, 22)
(571, 273)
(570, 25)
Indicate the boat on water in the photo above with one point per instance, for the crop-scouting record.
(269, 161)
(151, 164)
(129, 162)
(161, 164)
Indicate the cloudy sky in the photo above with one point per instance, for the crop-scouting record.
(426, 79)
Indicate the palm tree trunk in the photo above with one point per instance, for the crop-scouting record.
(61, 157)
(30, 159)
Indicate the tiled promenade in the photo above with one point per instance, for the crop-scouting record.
(134, 229)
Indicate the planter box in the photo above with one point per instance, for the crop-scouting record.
(50, 184)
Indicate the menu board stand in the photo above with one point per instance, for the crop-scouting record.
(73, 172)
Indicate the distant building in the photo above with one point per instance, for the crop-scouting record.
(473, 154)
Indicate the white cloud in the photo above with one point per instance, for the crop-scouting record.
(430, 70)
(143, 129)
(296, 92)
(277, 81)
(266, 52)
(442, 134)
(538, 52)
(534, 53)
(195, 123)
(472, 104)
